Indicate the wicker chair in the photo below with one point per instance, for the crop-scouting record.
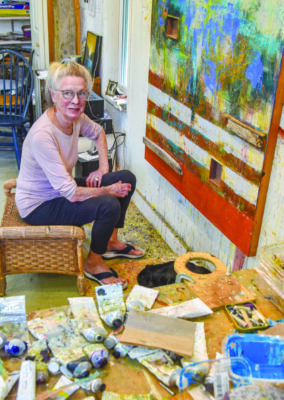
(48, 249)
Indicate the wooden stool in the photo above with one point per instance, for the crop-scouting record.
(45, 249)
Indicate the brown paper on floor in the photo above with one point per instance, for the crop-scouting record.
(152, 330)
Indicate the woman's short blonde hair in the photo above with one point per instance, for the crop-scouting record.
(58, 71)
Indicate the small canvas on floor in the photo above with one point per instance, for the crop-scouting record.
(152, 330)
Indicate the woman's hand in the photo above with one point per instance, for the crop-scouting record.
(95, 178)
(119, 189)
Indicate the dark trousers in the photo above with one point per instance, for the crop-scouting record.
(108, 211)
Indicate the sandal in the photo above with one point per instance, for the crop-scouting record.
(103, 275)
(124, 253)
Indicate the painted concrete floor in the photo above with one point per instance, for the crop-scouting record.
(52, 290)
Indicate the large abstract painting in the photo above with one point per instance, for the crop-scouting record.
(213, 79)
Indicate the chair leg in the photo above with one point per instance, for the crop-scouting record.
(16, 146)
(81, 285)
(2, 286)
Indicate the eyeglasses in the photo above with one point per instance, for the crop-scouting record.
(70, 94)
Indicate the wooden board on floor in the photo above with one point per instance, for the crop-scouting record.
(219, 289)
(153, 330)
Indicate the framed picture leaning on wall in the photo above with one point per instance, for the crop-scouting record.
(92, 53)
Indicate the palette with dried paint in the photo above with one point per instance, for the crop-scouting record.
(246, 317)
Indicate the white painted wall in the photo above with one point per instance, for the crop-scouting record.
(162, 199)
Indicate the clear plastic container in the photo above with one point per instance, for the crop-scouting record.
(271, 266)
(224, 372)
(264, 354)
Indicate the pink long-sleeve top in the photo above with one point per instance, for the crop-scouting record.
(48, 157)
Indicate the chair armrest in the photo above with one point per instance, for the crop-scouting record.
(9, 185)
(42, 232)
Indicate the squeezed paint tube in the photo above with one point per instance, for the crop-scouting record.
(95, 385)
(80, 368)
(15, 347)
(110, 341)
(94, 335)
(141, 298)
(85, 312)
(209, 380)
(26, 387)
(3, 339)
(3, 380)
(200, 370)
(121, 350)
(68, 388)
(160, 365)
(53, 367)
(10, 382)
(42, 374)
(111, 305)
(97, 354)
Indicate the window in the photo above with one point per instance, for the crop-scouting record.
(124, 31)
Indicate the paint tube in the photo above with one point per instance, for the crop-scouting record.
(95, 385)
(42, 374)
(15, 347)
(68, 388)
(53, 367)
(199, 370)
(3, 380)
(27, 380)
(110, 341)
(85, 312)
(121, 350)
(94, 335)
(10, 382)
(3, 339)
(209, 380)
(160, 365)
(97, 354)
(141, 298)
(111, 305)
(80, 368)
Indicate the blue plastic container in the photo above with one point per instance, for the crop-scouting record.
(264, 354)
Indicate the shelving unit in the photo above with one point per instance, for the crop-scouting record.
(13, 24)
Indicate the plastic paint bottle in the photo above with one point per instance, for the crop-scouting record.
(15, 347)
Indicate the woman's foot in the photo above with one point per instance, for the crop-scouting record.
(95, 269)
(118, 245)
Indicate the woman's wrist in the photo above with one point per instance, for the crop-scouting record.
(104, 190)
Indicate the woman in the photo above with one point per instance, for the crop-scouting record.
(47, 194)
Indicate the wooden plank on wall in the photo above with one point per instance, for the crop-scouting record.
(78, 26)
(50, 29)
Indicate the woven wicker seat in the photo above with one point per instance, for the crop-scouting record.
(48, 249)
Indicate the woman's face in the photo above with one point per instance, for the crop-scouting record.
(70, 108)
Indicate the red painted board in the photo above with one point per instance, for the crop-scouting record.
(236, 226)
